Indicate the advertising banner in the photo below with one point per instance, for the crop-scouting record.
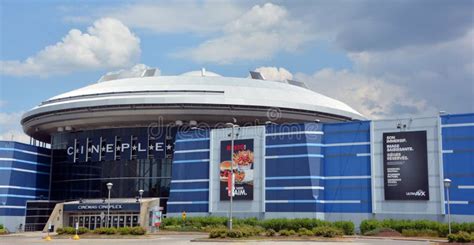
(243, 169)
(405, 164)
(156, 218)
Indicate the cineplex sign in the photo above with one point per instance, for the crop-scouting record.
(128, 147)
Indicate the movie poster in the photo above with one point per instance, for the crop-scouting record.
(405, 162)
(243, 169)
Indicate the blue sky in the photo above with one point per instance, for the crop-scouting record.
(391, 59)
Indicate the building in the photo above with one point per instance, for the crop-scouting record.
(24, 175)
(297, 153)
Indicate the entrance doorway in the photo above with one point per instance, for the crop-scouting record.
(96, 220)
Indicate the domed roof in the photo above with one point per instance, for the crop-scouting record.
(209, 91)
(201, 73)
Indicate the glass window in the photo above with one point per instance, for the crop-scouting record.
(87, 179)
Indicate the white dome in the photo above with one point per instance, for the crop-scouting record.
(200, 74)
(202, 98)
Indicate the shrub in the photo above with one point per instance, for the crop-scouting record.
(248, 230)
(346, 226)
(292, 224)
(218, 233)
(69, 230)
(3, 231)
(210, 228)
(172, 227)
(247, 221)
(110, 231)
(419, 233)
(270, 232)
(60, 231)
(234, 233)
(461, 237)
(400, 225)
(377, 231)
(137, 230)
(106, 231)
(274, 224)
(369, 225)
(82, 230)
(287, 232)
(100, 230)
(171, 221)
(327, 231)
(305, 232)
(206, 221)
(124, 230)
(72, 230)
(2, 227)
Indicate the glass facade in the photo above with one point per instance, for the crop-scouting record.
(87, 178)
(37, 214)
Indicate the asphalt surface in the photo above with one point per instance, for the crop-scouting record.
(36, 238)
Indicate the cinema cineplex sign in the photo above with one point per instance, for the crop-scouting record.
(110, 148)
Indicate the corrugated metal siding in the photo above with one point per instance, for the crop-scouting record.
(190, 173)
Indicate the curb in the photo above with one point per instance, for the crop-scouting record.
(270, 240)
(344, 239)
(415, 239)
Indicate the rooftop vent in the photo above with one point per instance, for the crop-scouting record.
(149, 72)
(109, 77)
(256, 75)
(134, 72)
(296, 83)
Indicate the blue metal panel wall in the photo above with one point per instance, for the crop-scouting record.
(24, 175)
(458, 160)
(190, 173)
(294, 168)
(320, 168)
(347, 185)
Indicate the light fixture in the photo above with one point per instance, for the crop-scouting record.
(447, 184)
(178, 123)
(140, 192)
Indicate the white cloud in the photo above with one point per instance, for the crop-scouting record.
(176, 16)
(370, 96)
(15, 135)
(275, 73)
(440, 73)
(258, 34)
(106, 44)
(10, 128)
